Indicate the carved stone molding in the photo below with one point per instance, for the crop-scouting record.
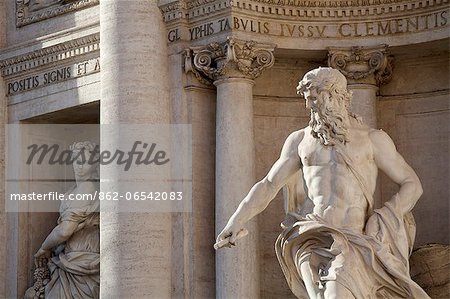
(358, 64)
(191, 9)
(233, 58)
(308, 24)
(306, 9)
(27, 13)
(50, 55)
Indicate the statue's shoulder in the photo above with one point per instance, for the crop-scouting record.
(381, 142)
(363, 130)
(293, 141)
(297, 136)
(378, 135)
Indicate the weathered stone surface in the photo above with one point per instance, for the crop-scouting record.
(412, 107)
(3, 120)
(136, 247)
(68, 261)
(430, 268)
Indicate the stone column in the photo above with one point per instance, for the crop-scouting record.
(135, 247)
(365, 69)
(232, 66)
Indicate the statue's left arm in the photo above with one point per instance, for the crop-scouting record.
(395, 167)
(61, 233)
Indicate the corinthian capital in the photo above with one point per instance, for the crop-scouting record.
(365, 65)
(231, 59)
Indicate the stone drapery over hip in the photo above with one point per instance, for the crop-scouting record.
(371, 265)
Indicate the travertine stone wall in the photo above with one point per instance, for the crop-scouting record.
(278, 111)
(48, 29)
(29, 51)
(193, 254)
(203, 109)
(414, 110)
(3, 255)
(49, 34)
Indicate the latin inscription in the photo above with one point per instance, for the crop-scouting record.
(410, 24)
(53, 76)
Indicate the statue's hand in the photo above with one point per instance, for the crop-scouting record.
(229, 235)
(372, 228)
(41, 257)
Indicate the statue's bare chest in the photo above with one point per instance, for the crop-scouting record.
(313, 153)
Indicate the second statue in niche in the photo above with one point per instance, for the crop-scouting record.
(334, 243)
(68, 262)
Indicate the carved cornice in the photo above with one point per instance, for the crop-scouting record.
(50, 55)
(174, 10)
(25, 16)
(360, 64)
(192, 9)
(336, 9)
(233, 58)
(328, 3)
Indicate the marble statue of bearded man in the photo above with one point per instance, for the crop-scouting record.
(335, 244)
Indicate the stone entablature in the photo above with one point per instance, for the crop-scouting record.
(332, 9)
(73, 58)
(26, 15)
(336, 8)
(182, 9)
(318, 22)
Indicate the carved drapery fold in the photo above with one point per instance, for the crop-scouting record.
(368, 65)
(233, 58)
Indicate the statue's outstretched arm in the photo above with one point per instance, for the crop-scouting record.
(395, 167)
(61, 233)
(262, 193)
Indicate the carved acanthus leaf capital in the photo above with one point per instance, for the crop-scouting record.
(233, 58)
(358, 64)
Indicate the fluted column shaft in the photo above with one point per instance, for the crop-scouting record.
(135, 255)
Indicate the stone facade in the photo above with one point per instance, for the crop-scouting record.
(229, 68)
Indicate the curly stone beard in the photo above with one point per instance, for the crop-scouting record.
(328, 120)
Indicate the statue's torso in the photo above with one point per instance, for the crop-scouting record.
(86, 238)
(329, 183)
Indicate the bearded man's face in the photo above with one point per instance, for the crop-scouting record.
(328, 116)
(311, 97)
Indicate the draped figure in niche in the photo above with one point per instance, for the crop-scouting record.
(70, 255)
(335, 244)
